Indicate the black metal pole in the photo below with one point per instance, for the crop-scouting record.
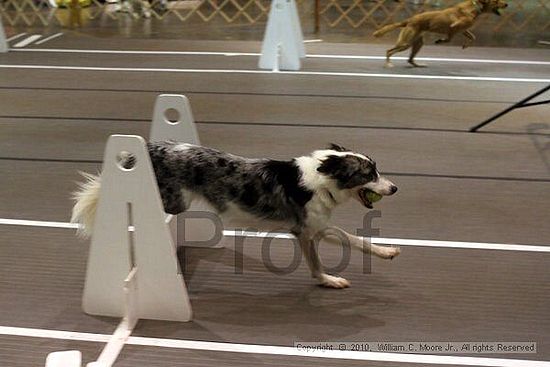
(517, 105)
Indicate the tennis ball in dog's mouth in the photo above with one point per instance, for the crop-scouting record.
(373, 196)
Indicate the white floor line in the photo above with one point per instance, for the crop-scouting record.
(308, 73)
(53, 36)
(37, 223)
(27, 41)
(16, 36)
(409, 242)
(438, 59)
(139, 52)
(275, 350)
(375, 240)
(323, 56)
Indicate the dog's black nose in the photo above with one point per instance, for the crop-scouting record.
(393, 189)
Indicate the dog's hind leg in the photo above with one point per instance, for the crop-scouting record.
(403, 43)
(174, 199)
(392, 51)
(417, 45)
(309, 249)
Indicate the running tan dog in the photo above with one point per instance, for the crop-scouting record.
(457, 19)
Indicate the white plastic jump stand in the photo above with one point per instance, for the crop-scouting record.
(130, 197)
(283, 44)
(182, 129)
(133, 270)
(3, 41)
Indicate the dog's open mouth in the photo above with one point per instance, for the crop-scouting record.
(364, 196)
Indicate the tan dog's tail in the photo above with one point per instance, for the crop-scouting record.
(388, 28)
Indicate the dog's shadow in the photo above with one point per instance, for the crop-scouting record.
(228, 260)
(301, 307)
(256, 299)
(307, 314)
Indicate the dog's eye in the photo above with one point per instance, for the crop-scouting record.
(369, 176)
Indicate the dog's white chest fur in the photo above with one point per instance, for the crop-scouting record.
(318, 213)
(326, 195)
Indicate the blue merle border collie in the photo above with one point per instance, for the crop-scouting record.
(298, 195)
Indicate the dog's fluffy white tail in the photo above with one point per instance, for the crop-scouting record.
(86, 199)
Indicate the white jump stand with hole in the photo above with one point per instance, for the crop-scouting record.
(283, 44)
(132, 274)
(181, 128)
(3, 41)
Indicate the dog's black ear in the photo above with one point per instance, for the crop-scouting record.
(330, 165)
(338, 148)
(346, 170)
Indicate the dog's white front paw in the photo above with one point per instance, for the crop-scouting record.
(388, 252)
(331, 281)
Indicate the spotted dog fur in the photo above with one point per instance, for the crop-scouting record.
(298, 194)
(268, 189)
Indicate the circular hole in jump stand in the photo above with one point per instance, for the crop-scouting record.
(126, 161)
(172, 116)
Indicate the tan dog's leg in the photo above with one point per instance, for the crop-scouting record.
(457, 26)
(444, 40)
(403, 42)
(471, 38)
(451, 33)
(417, 45)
